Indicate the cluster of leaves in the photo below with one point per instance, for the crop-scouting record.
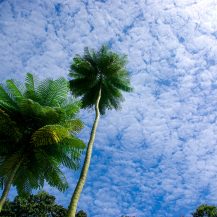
(37, 131)
(41, 204)
(81, 213)
(205, 211)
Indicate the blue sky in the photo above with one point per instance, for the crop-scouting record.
(156, 156)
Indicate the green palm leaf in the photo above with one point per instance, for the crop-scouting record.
(8, 164)
(75, 126)
(13, 88)
(6, 101)
(55, 177)
(55, 134)
(71, 108)
(49, 134)
(53, 93)
(30, 92)
(73, 142)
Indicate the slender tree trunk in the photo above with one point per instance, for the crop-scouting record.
(7, 186)
(84, 171)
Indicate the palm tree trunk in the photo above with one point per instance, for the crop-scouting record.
(8, 186)
(84, 171)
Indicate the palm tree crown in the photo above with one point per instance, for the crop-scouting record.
(37, 132)
(102, 70)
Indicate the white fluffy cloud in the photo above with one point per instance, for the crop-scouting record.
(157, 156)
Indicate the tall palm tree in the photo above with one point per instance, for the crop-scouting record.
(98, 78)
(37, 134)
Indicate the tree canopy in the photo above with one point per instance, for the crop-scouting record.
(38, 127)
(100, 70)
(39, 205)
(205, 210)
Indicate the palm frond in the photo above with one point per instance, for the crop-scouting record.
(73, 143)
(62, 156)
(82, 68)
(9, 163)
(6, 101)
(8, 128)
(55, 177)
(121, 84)
(40, 114)
(25, 183)
(74, 126)
(13, 88)
(53, 92)
(49, 135)
(24, 188)
(71, 108)
(30, 85)
(69, 162)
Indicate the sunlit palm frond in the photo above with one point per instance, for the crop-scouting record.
(75, 125)
(49, 134)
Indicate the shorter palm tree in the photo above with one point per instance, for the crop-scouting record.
(38, 127)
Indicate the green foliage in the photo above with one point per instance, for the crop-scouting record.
(38, 127)
(40, 205)
(205, 211)
(103, 70)
(81, 213)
